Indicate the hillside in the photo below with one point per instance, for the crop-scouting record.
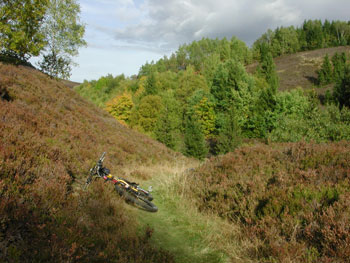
(261, 203)
(70, 84)
(285, 202)
(50, 137)
(209, 106)
(300, 69)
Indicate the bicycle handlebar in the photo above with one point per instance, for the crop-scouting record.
(102, 157)
(95, 169)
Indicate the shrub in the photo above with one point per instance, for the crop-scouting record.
(284, 197)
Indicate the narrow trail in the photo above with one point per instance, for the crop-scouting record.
(191, 236)
(178, 226)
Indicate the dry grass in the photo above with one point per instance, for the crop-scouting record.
(179, 214)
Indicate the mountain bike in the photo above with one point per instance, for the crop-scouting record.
(130, 191)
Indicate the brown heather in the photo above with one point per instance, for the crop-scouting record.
(49, 138)
(291, 201)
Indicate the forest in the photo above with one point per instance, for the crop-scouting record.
(201, 100)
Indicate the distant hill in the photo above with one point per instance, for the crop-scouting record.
(70, 84)
(300, 69)
(50, 137)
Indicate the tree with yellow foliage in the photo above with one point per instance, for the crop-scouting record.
(120, 107)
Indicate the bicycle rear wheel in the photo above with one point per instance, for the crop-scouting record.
(139, 201)
(145, 204)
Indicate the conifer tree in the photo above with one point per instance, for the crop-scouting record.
(325, 73)
(151, 85)
(194, 139)
(167, 128)
(342, 89)
(228, 77)
(267, 69)
(339, 62)
(229, 132)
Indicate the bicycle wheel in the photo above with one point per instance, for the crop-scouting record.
(145, 204)
(148, 196)
(120, 190)
(139, 201)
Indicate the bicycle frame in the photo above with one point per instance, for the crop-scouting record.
(130, 191)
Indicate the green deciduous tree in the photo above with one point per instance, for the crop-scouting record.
(64, 35)
(240, 51)
(189, 82)
(20, 21)
(201, 105)
(145, 116)
(285, 41)
(341, 30)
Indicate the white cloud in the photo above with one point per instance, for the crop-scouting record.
(124, 34)
(168, 23)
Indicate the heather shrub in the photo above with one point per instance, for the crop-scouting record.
(285, 198)
(50, 137)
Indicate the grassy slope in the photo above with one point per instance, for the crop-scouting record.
(50, 137)
(300, 69)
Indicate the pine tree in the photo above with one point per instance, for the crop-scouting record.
(151, 85)
(165, 130)
(229, 132)
(339, 62)
(168, 125)
(194, 139)
(342, 89)
(267, 69)
(228, 77)
(325, 73)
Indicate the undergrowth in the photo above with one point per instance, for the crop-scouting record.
(290, 200)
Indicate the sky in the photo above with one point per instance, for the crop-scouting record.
(123, 35)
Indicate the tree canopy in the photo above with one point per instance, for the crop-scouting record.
(20, 27)
(50, 28)
(202, 101)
